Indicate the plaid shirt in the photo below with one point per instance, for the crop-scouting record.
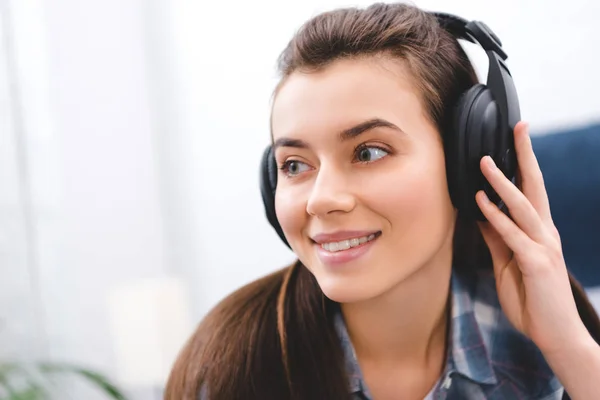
(487, 358)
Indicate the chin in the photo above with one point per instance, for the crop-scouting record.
(348, 289)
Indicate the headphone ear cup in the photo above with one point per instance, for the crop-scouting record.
(268, 184)
(475, 134)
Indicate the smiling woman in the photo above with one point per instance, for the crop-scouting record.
(412, 281)
(372, 171)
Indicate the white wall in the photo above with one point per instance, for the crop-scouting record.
(91, 187)
(19, 310)
(144, 122)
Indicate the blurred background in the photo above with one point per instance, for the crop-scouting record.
(130, 138)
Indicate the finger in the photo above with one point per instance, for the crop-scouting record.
(532, 180)
(521, 209)
(500, 252)
(517, 240)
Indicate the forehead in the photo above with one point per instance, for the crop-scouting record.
(346, 92)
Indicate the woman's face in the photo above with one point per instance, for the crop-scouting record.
(362, 195)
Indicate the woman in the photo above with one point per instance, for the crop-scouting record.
(395, 293)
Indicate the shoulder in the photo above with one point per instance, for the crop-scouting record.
(507, 361)
(516, 360)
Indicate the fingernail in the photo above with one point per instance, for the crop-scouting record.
(490, 162)
(484, 197)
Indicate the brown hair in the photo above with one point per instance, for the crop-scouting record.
(274, 338)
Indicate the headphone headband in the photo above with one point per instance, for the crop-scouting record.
(471, 31)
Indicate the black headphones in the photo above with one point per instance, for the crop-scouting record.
(484, 119)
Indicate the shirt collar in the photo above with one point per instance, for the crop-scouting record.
(352, 368)
(468, 351)
(469, 347)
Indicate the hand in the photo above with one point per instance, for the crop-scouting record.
(531, 275)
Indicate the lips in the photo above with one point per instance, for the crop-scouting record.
(347, 244)
(341, 248)
(341, 235)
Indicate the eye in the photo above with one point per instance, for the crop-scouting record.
(370, 153)
(294, 167)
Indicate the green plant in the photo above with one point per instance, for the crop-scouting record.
(24, 382)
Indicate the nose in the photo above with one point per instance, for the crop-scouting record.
(330, 193)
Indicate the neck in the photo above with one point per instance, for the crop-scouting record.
(407, 325)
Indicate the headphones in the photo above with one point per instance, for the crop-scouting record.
(483, 122)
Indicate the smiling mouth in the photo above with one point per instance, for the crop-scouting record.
(342, 245)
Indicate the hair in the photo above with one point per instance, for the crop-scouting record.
(274, 338)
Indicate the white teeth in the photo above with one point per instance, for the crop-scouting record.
(346, 244)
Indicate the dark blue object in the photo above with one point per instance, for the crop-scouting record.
(570, 162)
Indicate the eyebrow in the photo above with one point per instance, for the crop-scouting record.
(346, 134)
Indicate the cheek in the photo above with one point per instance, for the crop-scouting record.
(291, 213)
(415, 199)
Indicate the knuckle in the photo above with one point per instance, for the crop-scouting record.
(554, 234)
(524, 204)
(512, 235)
(555, 252)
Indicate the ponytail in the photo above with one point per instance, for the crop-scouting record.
(271, 339)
